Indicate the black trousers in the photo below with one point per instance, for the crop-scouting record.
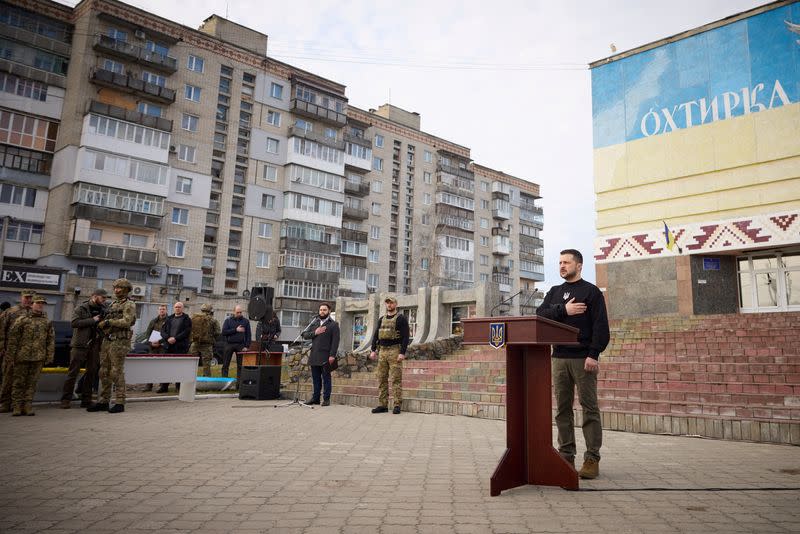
(227, 354)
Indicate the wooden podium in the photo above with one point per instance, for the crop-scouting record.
(255, 357)
(529, 457)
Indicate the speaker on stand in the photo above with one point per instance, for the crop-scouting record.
(260, 382)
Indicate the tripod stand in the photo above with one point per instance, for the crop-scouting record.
(297, 349)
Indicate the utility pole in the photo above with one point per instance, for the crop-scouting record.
(6, 222)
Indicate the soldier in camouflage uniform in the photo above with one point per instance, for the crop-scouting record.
(390, 342)
(205, 331)
(32, 342)
(117, 332)
(7, 318)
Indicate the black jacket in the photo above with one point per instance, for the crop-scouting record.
(594, 333)
(181, 345)
(232, 337)
(84, 327)
(324, 345)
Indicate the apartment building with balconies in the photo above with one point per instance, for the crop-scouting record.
(198, 167)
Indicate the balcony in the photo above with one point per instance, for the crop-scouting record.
(129, 84)
(505, 232)
(456, 222)
(532, 215)
(354, 235)
(113, 253)
(35, 39)
(364, 140)
(126, 51)
(129, 115)
(357, 189)
(502, 213)
(314, 111)
(332, 142)
(307, 245)
(501, 246)
(355, 213)
(501, 270)
(310, 275)
(116, 216)
(456, 171)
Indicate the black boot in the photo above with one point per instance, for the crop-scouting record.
(117, 408)
(99, 407)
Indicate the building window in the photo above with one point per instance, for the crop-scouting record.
(484, 185)
(484, 277)
(187, 153)
(95, 235)
(372, 281)
(484, 259)
(27, 132)
(377, 186)
(134, 240)
(177, 248)
(114, 66)
(377, 163)
(195, 63)
(428, 156)
(426, 198)
(183, 185)
(272, 145)
(273, 118)
(769, 282)
(484, 241)
(15, 194)
(271, 173)
(133, 275)
(426, 177)
(426, 219)
(23, 87)
(424, 264)
(192, 93)
(86, 271)
(378, 140)
(150, 109)
(276, 90)
(265, 230)
(262, 259)
(374, 256)
(484, 223)
(180, 216)
(375, 232)
(189, 122)
(268, 201)
(457, 313)
(155, 79)
(175, 280)
(484, 204)
(376, 208)
(24, 231)
(119, 35)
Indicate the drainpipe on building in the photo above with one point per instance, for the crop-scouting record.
(6, 222)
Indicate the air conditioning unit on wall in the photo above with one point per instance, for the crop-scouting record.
(138, 290)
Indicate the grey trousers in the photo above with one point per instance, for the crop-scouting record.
(568, 374)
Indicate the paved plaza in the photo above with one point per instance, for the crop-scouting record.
(225, 465)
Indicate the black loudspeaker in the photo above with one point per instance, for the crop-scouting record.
(260, 382)
(260, 305)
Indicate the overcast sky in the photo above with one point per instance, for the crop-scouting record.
(506, 78)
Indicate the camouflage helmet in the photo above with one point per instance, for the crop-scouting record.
(122, 283)
(207, 308)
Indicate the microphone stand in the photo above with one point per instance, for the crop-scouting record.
(297, 400)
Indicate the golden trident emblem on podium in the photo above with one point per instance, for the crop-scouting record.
(497, 335)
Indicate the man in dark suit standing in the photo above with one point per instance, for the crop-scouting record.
(324, 333)
(176, 331)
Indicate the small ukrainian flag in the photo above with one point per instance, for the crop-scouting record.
(670, 238)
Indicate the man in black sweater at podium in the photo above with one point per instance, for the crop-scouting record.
(579, 304)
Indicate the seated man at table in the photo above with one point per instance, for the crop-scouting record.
(176, 332)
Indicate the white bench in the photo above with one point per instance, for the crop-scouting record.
(158, 368)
